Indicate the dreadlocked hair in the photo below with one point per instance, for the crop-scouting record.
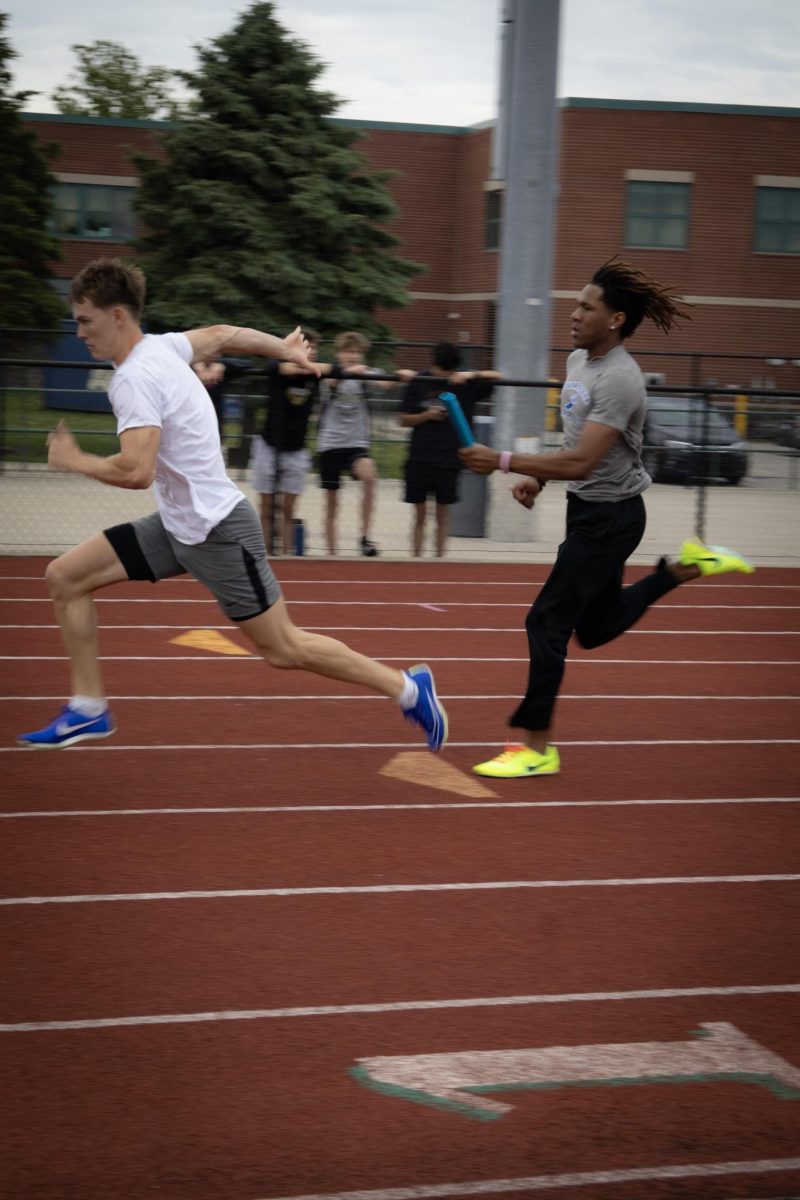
(629, 290)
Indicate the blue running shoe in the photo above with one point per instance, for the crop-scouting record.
(68, 728)
(428, 711)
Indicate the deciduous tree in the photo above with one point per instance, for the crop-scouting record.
(110, 81)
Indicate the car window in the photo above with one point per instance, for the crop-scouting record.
(675, 415)
(670, 418)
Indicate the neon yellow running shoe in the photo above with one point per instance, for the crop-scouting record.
(713, 560)
(518, 761)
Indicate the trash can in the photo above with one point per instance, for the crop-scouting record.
(468, 515)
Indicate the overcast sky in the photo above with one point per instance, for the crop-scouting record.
(435, 61)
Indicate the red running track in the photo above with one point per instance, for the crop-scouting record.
(206, 933)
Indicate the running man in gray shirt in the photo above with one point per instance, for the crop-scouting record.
(602, 408)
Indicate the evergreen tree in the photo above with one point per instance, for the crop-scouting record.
(264, 213)
(26, 247)
(110, 81)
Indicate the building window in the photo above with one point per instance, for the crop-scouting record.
(657, 214)
(86, 210)
(777, 220)
(494, 216)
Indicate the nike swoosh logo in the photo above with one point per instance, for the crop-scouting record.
(63, 728)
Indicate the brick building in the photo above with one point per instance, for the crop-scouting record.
(704, 197)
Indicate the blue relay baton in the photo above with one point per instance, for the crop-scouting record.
(456, 415)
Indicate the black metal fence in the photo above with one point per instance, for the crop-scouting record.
(723, 427)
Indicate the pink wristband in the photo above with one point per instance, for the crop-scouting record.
(505, 461)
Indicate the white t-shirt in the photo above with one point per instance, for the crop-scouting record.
(155, 386)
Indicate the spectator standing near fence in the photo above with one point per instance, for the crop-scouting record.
(602, 409)
(344, 435)
(432, 467)
(204, 524)
(279, 458)
(215, 377)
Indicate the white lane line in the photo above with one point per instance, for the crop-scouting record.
(436, 605)
(393, 889)
(458, 658)
(415, 629)
(426, 629)
(419, 629)
(365, 808)
(398, 1006)
(83, 748)
(442, 583)
(540, 1183)
(471, 697)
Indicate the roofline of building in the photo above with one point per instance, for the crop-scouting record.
(119, 122)
(751, 110)
(748, 110)
(346, 122)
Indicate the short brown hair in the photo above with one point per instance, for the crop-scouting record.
(105, 282)
(351, 341)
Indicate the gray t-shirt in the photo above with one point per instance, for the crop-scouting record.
(344, 422)
(611, 391)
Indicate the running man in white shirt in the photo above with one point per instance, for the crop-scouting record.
(204, 524)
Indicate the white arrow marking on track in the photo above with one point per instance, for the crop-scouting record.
(460, 1081)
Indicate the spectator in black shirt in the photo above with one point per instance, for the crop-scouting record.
(215, 375)
(433, 465)
(279, 459)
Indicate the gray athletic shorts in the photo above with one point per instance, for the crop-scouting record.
(231, 562)
(290, 465)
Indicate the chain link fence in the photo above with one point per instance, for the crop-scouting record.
(700, 443)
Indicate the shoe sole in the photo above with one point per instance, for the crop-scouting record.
(525, 775)
(443, 718)
(65, 745)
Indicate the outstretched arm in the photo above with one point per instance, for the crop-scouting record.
(595, 442)
(458, 377)
(210, 342)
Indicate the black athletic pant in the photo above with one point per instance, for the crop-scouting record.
(584, 595)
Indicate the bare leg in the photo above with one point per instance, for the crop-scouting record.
(442, 524)
(418, 529)
(267, 500)
(72, 579)
(364, 469)
(288, 522)
(284, 645)
(331, 504)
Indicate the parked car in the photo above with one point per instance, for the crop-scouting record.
(688, 441)
(788, 432)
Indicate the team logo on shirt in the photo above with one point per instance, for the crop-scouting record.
(575, 401)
